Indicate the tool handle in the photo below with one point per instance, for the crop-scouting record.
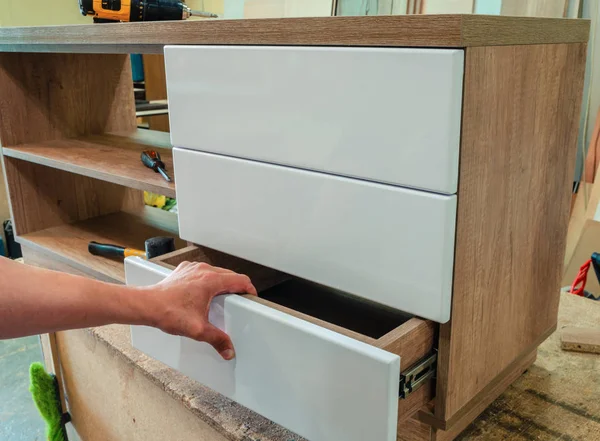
(106, 250)
(151, 159)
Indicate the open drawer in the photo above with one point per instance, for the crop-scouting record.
(318, 362)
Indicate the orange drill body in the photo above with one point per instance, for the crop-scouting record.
(103, 10)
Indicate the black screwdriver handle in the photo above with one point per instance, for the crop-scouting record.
(151, 159)
(105, 250)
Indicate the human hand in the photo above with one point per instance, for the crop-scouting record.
(183, 300)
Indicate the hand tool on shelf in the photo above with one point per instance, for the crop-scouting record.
(155, 246)
(106, 11)
(151, 159)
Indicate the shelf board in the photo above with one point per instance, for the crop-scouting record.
(69, 243)
(113, 157)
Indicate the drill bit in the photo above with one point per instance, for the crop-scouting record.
(203, 14)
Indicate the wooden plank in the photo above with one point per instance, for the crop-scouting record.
(68, 243)
(402, 30)
(110, 157)
(580, 339)
(516, 171)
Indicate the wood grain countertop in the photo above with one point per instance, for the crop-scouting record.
(557, 398)
(391, 31)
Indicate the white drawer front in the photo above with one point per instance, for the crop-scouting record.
(320, 384)
(384, 114)
(389, 244)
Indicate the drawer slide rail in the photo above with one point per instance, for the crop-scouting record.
(417, 375)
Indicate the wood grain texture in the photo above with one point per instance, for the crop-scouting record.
(155, 80)
(403, 30)
(55, 96)
(110, 157)
(412, 429)
(412, 341)
(43, 197)
(580, 339)
(52, 96)
(68, 243)
(422, 336)
(520, 114)
(110, 399)
(488, 30)
(493, 392)
(38, 258)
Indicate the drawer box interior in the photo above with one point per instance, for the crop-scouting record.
(410, 337)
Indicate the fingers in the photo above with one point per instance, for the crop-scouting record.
(202, 266)
(218, 340)
(233, 283)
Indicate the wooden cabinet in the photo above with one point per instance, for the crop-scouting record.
(461, 197)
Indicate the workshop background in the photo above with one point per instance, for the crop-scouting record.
(19, 419)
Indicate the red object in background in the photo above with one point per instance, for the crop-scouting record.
(581, 279)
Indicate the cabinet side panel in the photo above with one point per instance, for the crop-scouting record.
(520, 121)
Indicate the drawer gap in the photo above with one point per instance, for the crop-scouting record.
(336, 307)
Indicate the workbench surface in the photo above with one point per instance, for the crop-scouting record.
(558, 398)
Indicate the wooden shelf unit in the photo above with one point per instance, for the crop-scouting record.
(68, 243)
(113, 157)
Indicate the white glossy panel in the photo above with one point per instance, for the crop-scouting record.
(388, 244)
(320, 384)
(385, 114)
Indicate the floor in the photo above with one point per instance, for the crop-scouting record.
(19, 419)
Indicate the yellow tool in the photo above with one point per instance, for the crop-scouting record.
(106, 11)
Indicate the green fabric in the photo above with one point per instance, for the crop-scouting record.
(44, 391)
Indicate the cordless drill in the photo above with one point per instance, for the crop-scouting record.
(106, 11)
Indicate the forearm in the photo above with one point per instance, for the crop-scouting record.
(36, 301)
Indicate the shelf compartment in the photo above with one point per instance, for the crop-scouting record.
(68, 243)
(112, 157)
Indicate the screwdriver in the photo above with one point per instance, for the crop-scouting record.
(151, 159)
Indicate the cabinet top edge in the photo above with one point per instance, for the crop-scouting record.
(383, 31)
